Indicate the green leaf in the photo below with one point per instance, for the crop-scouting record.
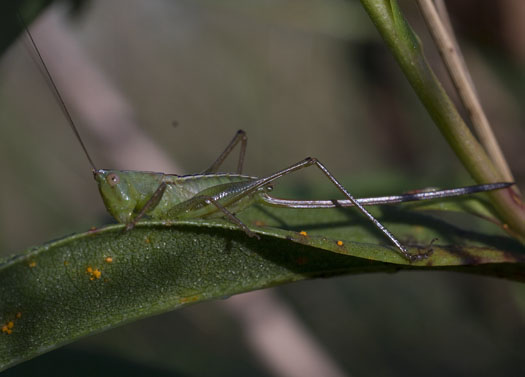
(474, 206)
(67, 289)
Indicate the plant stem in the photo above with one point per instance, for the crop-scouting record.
(457, 69)
(407, 49)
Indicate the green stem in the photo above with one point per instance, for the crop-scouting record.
(407, 49)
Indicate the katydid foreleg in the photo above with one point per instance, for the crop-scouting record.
(150, 204)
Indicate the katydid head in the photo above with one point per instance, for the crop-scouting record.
(117, 192)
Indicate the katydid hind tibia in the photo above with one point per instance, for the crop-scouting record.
(132, 195)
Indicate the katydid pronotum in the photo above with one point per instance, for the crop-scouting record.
(132, 195)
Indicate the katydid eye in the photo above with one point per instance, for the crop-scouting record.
(112, 179)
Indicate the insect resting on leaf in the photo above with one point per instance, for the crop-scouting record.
(131, 195)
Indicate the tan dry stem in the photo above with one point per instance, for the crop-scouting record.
(442, 32)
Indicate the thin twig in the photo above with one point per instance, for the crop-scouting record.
(441, 31)
(443, 14)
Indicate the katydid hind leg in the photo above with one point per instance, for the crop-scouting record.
(402, 249)
(240, 136)
(313, 161)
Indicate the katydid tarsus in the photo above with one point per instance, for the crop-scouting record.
(130, 196)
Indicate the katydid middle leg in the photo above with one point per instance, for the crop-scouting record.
(232, 217)
(313, 161)
(204, 199)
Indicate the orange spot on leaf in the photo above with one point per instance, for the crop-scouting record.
(189, 299)
(8, 327)
(94, 273)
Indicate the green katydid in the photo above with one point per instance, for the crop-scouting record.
(132, 195)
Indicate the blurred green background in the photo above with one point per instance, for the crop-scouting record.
(303, 78)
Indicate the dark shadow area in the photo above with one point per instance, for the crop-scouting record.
(449, 232)
(72, 362)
